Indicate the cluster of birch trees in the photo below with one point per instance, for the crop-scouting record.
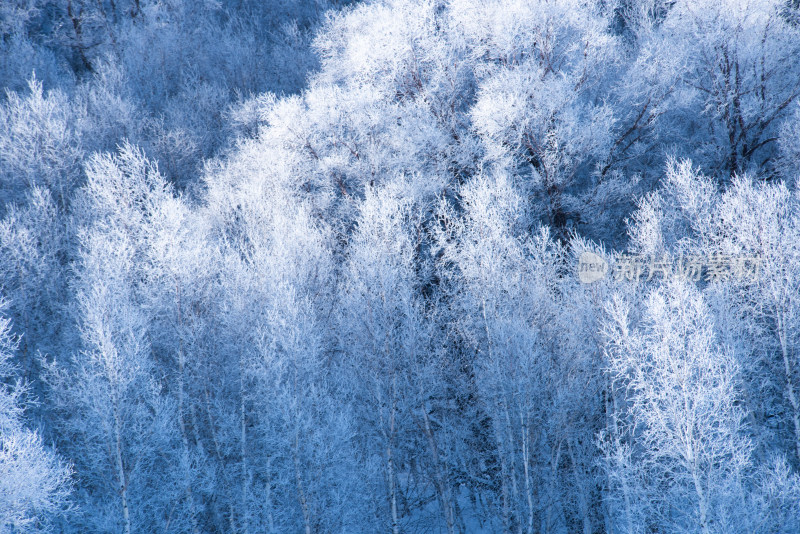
(312, 267)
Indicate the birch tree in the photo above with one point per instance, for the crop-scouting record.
(681, 396)
(35, 483)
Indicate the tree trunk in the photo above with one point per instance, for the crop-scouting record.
(243, 449)
(790, 392)
(123, 483)
(390, 471)
(181, 410)
(442, 484)
(301, 494)
(526, 469)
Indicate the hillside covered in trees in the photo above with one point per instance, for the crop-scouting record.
(400, 266)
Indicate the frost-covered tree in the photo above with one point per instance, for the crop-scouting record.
(386, 344)
(114, 420)
(35, 483)
(40, 144)
(540, 103)
(763, 221)
(688, 216)
(685, 435)
(533, 383)
(726, 68)
(36, 245)
(737, 320)
(280, 416)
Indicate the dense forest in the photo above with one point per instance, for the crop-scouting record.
(400, 266)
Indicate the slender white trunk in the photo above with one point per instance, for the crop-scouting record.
(547, 516)
(268, 497)
(583, 501)
(702, 500)
(526, 469)
(506, 470)
(788, 371)
(301, 494)
(390, 463)
(220, 459)
(626, 496)
(392, 490)
(512, 472)
(626, 491)
(123, 483)
(506, 497)
(443, 485)
(625, 488)
(181, 410)
(243, 443)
